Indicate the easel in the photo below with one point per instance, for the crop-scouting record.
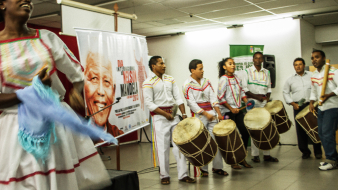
(116, 8)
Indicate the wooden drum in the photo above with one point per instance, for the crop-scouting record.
(229, 142)
(279, 115)
(194, 141)
(308, 121)
(262, 128)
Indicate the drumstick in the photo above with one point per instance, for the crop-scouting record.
(326, 74)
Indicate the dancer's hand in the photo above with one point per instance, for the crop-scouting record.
(44, 77)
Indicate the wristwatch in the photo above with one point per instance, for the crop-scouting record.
(184, 114)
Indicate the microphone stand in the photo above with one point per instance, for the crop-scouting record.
(117, 101)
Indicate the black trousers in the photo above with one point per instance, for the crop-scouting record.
(239, 120)
(303, 138)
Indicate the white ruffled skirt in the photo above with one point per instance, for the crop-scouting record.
(73, 162)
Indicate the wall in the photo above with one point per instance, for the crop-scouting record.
(326, 33)
(280, 37)
(308, 42)
(331, 52)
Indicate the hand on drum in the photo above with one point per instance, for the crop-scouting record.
(170, 117)
(184, 116)
(220, 118)
(44, 77)
(311, 108)
(208, 115)
(295, 106)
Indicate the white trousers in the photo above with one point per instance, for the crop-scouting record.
(217, 162)
(254, 149)
(163, 136)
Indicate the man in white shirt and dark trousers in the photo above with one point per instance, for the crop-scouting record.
(297, 88)
(257, 86)
(328, 111)
(160, 95)
(203, 104)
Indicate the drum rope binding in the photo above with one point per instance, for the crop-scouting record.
(200, 151)
(308, 131)
(282, 117)
(232, 148)
(268, 139)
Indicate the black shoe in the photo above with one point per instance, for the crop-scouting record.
(306, 156)
(318, 156)
(256, 159)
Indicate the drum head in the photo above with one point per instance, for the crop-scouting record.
(305, 111)
(257, 119)
(274, 106)
(224, 128)
(187, 130)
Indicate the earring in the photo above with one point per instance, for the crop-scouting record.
(4, 8)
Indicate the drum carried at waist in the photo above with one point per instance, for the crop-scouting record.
(194, 141)
(308, 121)
(279, 115)
(229, 142)
(262, 128)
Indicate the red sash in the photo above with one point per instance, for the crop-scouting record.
(166, 109)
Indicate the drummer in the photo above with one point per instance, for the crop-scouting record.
(297, 88)
(328, 111)
(160, 95)
(203, 104)
(230, 95)
(257, 86)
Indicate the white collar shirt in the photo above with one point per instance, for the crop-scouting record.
(297, 87)
(331, 86)
(160, 92)
(196, 93)
(257, 82)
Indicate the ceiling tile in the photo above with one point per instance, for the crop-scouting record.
(145, 9)
(283, 3)
(214, 6)
(142, 25)
(324, 19)
(45, 8)
(304, 6)
(153, 16)
(187, 3)
(243, 16)
(229, 12)
(187, 18)
(125, 4)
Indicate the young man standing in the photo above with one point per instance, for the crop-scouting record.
(201, 99)
(257, 86)
(328, 111)
(296, 88)
(160, 95)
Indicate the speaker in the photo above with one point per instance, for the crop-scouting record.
(270, 64)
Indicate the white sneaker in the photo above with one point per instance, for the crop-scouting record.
(327, 166)
(321, 163)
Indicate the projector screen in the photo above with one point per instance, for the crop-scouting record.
(74, 17)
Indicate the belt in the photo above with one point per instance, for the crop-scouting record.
(166, 109)
(206, 106)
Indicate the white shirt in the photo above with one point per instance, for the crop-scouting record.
(331, 86)
(29, 55)
(230, 91)
(195, 93)
(257, 82)
(160, 92)
(297, 87)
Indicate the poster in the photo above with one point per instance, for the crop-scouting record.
(114, 68)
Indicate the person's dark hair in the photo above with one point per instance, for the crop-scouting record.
(221, 70)
(258, 52)
(193, 64)
(153, 61)
(320, 51)
(299, 59)
(2, 19)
